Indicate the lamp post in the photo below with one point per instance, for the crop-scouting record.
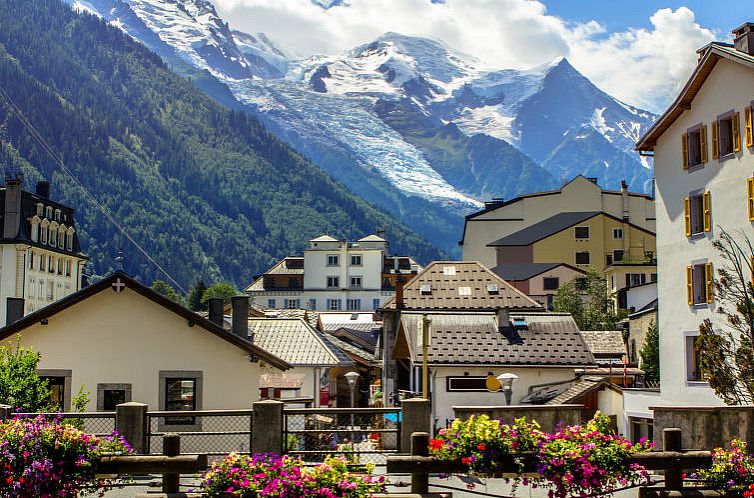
(506, 384)
(352, 377)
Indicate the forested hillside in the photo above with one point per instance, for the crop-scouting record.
(205, 190)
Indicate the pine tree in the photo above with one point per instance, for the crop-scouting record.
(650, 354)
(194, 297)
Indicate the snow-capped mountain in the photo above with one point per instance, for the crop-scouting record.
(408, 123)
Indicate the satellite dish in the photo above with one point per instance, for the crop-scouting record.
(493, 385)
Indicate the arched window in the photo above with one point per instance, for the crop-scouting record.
(34, 229)
(48, 212)
(57, 215)
(40, 209)
(43, 232)
(69, 242)
(61, 237)
(52, 237)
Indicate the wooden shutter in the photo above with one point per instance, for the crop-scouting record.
(749, 131)
(715, 152)
(687, 215)
(750, 197)
(736, 132)
(685, 150)
(703, 142)
(709, 282)
(707, 206)
(690, 284)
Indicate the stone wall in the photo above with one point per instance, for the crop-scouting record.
(548, 416)
(705, 427)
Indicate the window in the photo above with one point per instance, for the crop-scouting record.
(61, 239)
(693, 356)
(466, 383)
(617, 233)
(726, 135)
(180, 391)
(35, 229)
(111, 395)
(464, 291)
(57, 215)
(333, 260)
(67, 267)
(375, 303)
(333, 281)
(581, 232)
(271, 303)
(353, 304)
(40, 209)
(551, 283)
(312, 304)
(653, 277)
(582, 258)
(608, 259)
(333, 304)
(69, 244)
(292, 304)
(635, 279)
(31, 260)
(750, 197)
(699, 284)
(550, 302)
(697, 212)
(356, 282)
(59, 382)
(356, 260)
(48, 212)
(43, 232)
(694, 146)
(618, 255)
(50, 291)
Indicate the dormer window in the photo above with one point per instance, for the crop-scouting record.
(69, 242)
(425, 289)
(48, 213)
(57, 215)
(34, 229)
(40, 209)
(43, 231)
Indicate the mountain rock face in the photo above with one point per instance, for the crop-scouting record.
(408, 123)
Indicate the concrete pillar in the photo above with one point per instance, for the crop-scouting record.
(267, 436)
(6, 412)
(416, 417)
(131, 423)
(420, 447)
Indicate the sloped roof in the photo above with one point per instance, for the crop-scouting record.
(544, 228)
(460, 285)
(106, 284)
(297, 342)
(281, 380)
(352, 350)
(551, 339)
(282, 267)
(324, 238)
(372, 238)
(604, 342)
(525, 271)
(576, 392)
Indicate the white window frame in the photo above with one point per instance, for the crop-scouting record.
(617, 233)
(357, 260)
(356, 281)
(333, 260)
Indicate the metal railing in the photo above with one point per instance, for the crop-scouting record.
(363, 435)
(205, 432)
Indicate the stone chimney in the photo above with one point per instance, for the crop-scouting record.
(503, 318)
(626, 208)
(216, 307)
(399, 302)
(743, 38)
(240, 305)
(43, 189)
(12, 210)
(14, 310)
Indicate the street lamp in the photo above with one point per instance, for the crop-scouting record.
(506, 384)
(352, 377)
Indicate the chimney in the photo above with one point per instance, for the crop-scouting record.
(14, 310)
(12, 210)
(216, 310)
(399, 302)
(240, 305)
(624, 199)
(43, 189)
(503, 318)
(743, 38)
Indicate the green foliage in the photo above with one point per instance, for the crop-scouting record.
(222, 290)
(79, 403)
(20, 386)
(166, 290)
(732, 471)
(589, 300)
(650, 354)
(196, 184)
(194, 297)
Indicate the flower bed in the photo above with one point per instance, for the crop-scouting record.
(286, 477)
(44, 458)
(732, 471)
(577, 460)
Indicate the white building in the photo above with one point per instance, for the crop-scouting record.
(704, 163)
(334, 275)
(41, 258)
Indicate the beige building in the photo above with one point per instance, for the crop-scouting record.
(539, 281)
(502, 218)
(124, 342)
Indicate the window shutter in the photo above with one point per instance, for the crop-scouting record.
(687, 215)
(690, 285)
(749, 131)
(736, 132)
(685, 150)
(750, 196)
(715, 153)
(707, 201)
(709, 282)
(703, 141)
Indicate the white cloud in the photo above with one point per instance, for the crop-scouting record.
(644, 67)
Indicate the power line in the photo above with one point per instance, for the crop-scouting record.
(59, 161)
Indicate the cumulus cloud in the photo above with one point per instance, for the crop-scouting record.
(644, 67)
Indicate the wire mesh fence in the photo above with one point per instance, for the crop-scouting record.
(97, 423)
(362, 435)
(210, 432)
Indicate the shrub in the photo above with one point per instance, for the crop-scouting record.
(731, 470)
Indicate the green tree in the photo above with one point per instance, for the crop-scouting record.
(589, 300)
(650, 354)
(20, 385)
(222, 290)
(725, 347)
(194, 297)
(166, 290)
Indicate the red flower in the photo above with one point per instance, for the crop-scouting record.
(436, 444)
(481, 446)
(751, 487)
(466, 460)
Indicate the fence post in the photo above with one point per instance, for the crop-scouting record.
(420, 447)
(6, 411)
(671, 441)
(268, 422)
(131, 423)
(416, 415)
(171, 446)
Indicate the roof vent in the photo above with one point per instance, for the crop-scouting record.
(354, 316)
(449, 270)
(519, 323)
(425, 289)
(464, 291)
(493, 289)
(743, 38)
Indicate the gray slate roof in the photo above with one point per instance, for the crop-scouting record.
(525, 271)
(552, 339)
(604, 342)
(350, 348)
(544, 228)
(297, 342)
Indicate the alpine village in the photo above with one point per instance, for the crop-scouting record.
(232, 266)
